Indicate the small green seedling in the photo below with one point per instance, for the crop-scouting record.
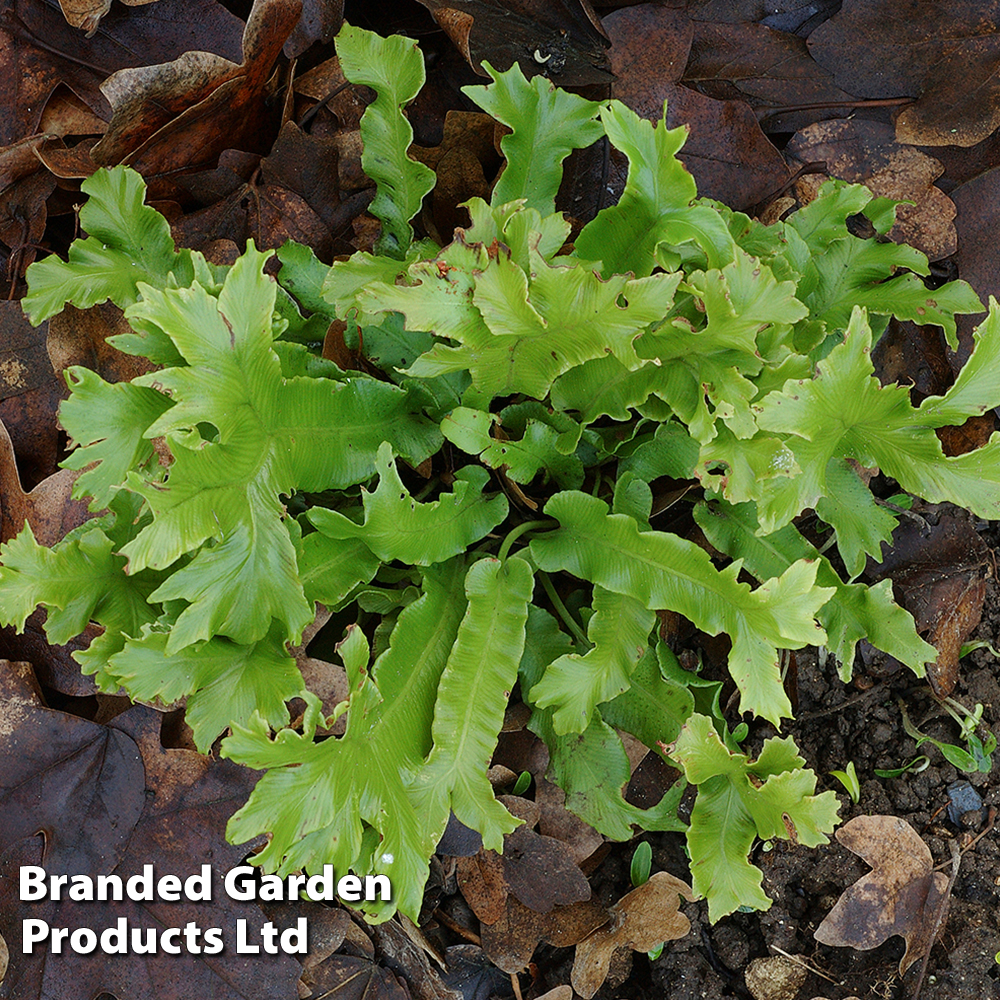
(849, 779)
(521, 785)
(978, 755)
(916, 765)
(642, 862)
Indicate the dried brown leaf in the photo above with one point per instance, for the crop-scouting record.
(111, 799)
(902, 894)
(80, 337)
(640, 920)
(945, 54)
(511, 941)
(481, 881)
(49, 508)
(184, 113)
(727, 152)
(978, 222)
(39, 51)
(560, 38)
(867, 152)
(768, 68)
(939, 575)
(320, 21)
(347, 977)
(579, 838)
(30, 394)
(540, 873)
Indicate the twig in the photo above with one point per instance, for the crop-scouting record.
(799, 960)
(956, 861)
(991, 820)
(516, 985)
(458, 929)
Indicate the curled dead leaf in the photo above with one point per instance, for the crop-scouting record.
(640, 920)
(902, 894)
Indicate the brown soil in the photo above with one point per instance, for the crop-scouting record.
(837, 724)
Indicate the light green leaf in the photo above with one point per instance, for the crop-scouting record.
(236, 586)
(394, 68)
(273, 435)
(854, 612)
(605, 387)
(313, 801)
(747, 310)
(408, 673)
(108, 423)
(224, 682)
(977, 388)
(128, 243)
(845, 412)
(481, 671)
(518, 335)
(518, 228)
(346, 278)
(669, 451)
(547, 125)
(79, 580)
(862, 526)
(397, 527)
(654, 707)
(745, 465)
(655, 206)
(315, 795)
(823, 221)
(662, 570)
(574, 685)
(855, 272)
(739, 799)
(538, 449)
(303, 275)
(330, 568)
(591, 768)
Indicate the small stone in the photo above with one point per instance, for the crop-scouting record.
(775, 978)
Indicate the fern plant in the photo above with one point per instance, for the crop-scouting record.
(673, 338)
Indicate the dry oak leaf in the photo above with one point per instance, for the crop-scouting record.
(902, 894)
(640, 920)
(87, 14)
(183, 114)
(177, 803)
(511, 941)
(944, 53)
